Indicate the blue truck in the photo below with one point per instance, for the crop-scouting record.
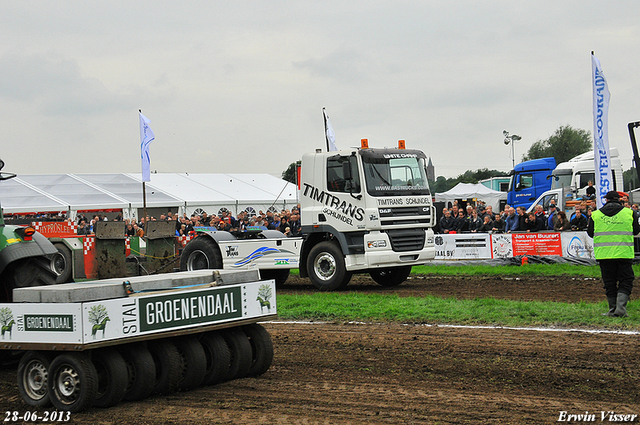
(529, 180)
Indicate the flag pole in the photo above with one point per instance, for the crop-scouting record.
(324, 117)
(144, 202)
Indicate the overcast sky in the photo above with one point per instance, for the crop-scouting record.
(239, 86)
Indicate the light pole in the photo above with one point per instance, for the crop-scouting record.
(513, 138)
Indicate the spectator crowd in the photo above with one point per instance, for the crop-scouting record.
(286, 221)
(482, 219)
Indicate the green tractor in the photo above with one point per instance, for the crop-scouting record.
(26, 257)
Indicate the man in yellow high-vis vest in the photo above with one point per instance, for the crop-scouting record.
(612, 228)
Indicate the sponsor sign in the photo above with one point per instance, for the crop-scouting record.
(536, 244)
(92, 322)
(461, 246)
(577, 245)
(501, 246)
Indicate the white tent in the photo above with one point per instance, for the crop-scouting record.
(473, 191)
(190, 193)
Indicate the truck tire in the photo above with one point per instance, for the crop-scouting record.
(280, 276)
(27, 272)
(33, 375)
(168, 366)
(73, 382)
(392, 276)
(62, 263)
(200, 253)
(112, 376)
(193, 362)
(326, 267)
(141, 371)
(240, 349)
(218, 357)
(261, 349)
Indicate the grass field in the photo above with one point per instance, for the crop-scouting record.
(353, 306)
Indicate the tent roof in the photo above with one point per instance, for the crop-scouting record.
(60, 192)
(470, 190)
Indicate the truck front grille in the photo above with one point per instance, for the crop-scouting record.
(403, 240)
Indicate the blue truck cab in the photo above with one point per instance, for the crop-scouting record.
(529, 180)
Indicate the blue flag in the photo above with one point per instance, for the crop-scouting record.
(146, 137)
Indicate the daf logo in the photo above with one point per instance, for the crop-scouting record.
(385, 210)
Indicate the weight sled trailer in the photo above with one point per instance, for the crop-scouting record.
(97, 343)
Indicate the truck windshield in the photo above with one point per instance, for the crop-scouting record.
(401, 172)
(561, 178)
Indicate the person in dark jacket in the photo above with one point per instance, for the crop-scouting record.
(447, 223)
(579, 221)
(612, 228)
(475, 222)
(487, 225)
(534, 223)
(498, 224)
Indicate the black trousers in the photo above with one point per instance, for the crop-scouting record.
(617, 276)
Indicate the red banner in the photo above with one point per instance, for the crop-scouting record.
(537, 244)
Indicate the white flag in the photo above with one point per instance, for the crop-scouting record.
(601, 154)
(146, 137)
(329, 134)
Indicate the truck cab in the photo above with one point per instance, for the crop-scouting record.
(365, 210)
(576, 173)
(529, 180)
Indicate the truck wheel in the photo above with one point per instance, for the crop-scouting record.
(194, 361)
(27, 272)
(112, 376)
(261, 349)
(240, 349)
(33, 373)
(62, 263)
(168, 366)
(218, 357)
(392, 276)
(73, 382)
(326, 267)
(200, 253)
(141, 371)
(280, 276)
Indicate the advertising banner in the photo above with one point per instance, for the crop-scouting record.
(537, 244)
(463, 246)
(577, 245)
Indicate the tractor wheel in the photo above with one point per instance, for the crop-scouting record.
(62, 263)
(280, 276)
(200, 253)
(26, 272)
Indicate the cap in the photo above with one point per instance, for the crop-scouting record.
(612, 195)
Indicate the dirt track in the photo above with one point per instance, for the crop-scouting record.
(368, 373)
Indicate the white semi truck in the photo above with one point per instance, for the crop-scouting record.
(362, 210)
